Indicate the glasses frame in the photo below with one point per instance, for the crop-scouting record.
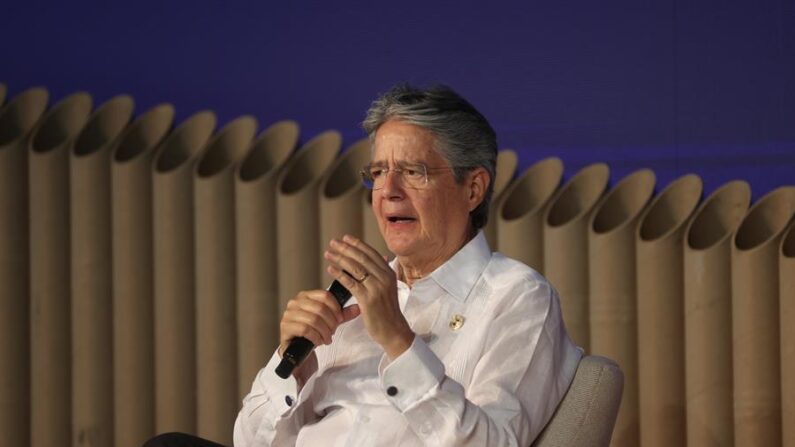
(369, 182)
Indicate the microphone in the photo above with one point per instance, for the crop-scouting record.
(300, 347)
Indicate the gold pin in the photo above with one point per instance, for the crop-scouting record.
(456, 322)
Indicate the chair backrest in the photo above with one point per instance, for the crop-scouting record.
(587, 413)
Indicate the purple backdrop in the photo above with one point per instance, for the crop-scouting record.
(676, 86)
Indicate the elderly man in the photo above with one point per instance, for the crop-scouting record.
(447, 344)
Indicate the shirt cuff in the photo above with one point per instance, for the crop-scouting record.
(283, 393)
(411, 376)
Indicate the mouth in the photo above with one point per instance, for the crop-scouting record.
(400, 219)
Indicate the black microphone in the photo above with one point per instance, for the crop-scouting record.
(300, 347)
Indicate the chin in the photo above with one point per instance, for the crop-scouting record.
(399, 246)
(396, 249)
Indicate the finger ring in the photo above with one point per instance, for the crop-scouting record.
(366, 275)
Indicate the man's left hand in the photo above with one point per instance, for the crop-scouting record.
(362, 270)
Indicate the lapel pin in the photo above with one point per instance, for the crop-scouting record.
(456, 322)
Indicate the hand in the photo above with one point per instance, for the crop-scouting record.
(363, 271)
(314, 315)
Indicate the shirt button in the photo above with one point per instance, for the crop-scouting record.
(288, 400)
(425, 428)
(391, 390)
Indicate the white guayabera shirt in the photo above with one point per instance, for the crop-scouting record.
(489, 365)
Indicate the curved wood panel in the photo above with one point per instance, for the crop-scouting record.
(755, 319)
(566, 246)
(297, 210)
(613, 301)
(520, 211)
(786, 268)
(216, 330)
(340, 206)
(174, 283)
(661, 332)
(18, 304)
(92, 288)
(708, 320)
(506, 168)
(255, 233)
(133, 328)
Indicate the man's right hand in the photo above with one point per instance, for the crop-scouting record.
(314, 315)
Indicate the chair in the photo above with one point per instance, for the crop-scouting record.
(587, 413)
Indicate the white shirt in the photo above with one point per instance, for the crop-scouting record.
(493, 379)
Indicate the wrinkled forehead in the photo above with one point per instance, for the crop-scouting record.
(429, 158)
(398, 142)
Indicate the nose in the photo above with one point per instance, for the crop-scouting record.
(393, 187)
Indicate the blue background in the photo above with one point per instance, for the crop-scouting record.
(700, 86)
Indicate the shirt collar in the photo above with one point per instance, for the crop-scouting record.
(458, 275)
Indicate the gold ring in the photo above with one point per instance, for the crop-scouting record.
(366, 275)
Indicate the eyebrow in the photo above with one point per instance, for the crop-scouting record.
(382, 163)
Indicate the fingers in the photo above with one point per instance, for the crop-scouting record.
(291, 330)
(351, 312)
(355, 257)
(362, 246)
(314, 315)
(324, 303)
(345, 279)
(354, 266)
(359, 251)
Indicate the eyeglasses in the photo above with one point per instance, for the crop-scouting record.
(412, 175)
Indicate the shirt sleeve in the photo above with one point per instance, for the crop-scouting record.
(526, 368)
(271, 407)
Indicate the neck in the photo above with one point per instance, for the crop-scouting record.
(411, 269)
(409, 274)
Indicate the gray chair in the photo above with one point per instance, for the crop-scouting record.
(587, 414)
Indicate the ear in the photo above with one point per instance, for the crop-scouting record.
(478, 182)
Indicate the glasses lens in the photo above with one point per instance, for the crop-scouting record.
(367, 179)
(414, 175)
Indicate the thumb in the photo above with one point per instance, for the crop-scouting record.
(350, 312)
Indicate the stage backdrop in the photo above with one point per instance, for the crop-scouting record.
(676, 86)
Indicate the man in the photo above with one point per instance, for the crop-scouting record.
(447, 344)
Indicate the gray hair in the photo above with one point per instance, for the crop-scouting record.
(462, 135)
